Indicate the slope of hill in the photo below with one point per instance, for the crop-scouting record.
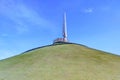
(61, 62)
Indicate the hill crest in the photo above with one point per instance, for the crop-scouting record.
(61, 62)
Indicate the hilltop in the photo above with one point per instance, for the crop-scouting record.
(61, 62)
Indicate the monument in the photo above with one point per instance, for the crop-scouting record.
(64, 33)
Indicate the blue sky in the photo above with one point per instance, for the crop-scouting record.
(26, 24)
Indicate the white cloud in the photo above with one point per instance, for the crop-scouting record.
(23, 16)
(88, 10)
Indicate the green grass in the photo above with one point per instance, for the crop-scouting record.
(61, 62)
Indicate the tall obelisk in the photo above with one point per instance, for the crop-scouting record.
(65, 29)
(64, 33)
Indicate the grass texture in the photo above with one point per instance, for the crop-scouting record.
(61, 62)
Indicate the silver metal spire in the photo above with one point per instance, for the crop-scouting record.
(65, 29)
(64, 38)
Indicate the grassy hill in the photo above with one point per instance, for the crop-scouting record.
(61, 62)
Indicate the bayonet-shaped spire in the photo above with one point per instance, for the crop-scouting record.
(65, 28)
(64, 33)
